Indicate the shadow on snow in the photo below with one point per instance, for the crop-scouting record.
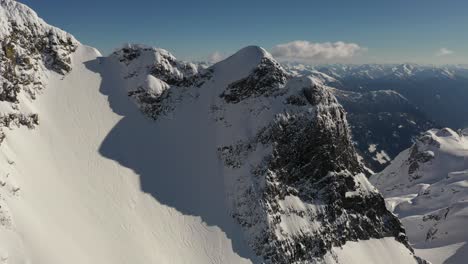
(170, 157)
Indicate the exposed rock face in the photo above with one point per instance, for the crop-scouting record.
(313, 163)
(17, 119)
(417, 157)
(29, 48)
(266, 78)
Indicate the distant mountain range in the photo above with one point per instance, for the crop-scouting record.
(391, 105)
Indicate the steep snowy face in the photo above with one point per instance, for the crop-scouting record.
(292, 179)
(29, 48)
(426, 186)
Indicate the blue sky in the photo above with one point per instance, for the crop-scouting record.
(420, 31)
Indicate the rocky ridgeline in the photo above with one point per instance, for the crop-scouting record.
(157, 80)
(29, 48)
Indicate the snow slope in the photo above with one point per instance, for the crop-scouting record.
(140, 158)
(426, 186)
(76, 205)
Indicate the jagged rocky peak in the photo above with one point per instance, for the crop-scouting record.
(29, 50)
(29, 46)
(258, 74)
(157, 62)
(155, 79)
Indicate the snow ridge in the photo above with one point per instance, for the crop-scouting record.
(426, 186)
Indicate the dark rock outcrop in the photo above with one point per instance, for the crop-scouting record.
(265, 79)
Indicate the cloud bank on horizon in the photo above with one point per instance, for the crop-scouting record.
(305, 51)
(444, 52)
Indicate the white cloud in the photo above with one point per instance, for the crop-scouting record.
(215, 57)
(301, 50)
(444, 52)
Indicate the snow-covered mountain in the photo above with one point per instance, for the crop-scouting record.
(426, 186)
(290, 171)
(141, 158)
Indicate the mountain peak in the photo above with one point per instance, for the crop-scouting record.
(15, 16)
(29, 47)
(253, 51)
(242, 63)
(156, 62)
(250, 55)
